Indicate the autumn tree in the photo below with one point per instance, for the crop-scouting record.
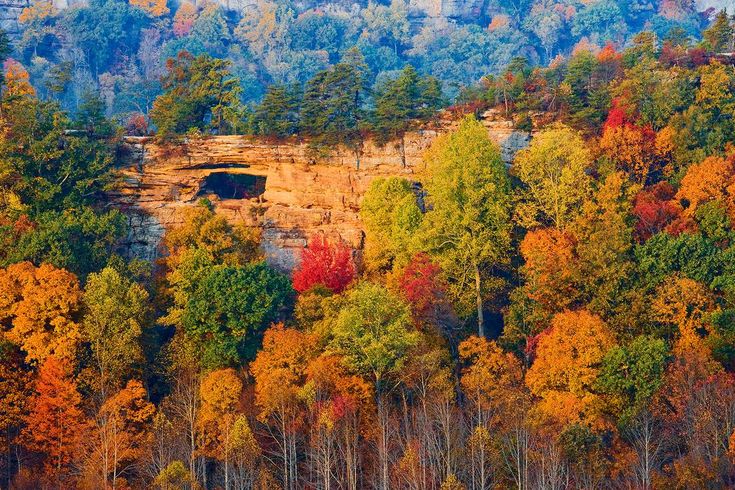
(392, 216)
(554, 172)
(154, 8)
(279, 370)
(219, 418)
(121, 433)
(55, 424)
(467, 230)
(567, 366)
(116, 310)
(373, 334)
(324, 264)
(40, 310)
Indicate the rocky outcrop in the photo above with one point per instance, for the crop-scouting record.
(302, 195)
(9, 12)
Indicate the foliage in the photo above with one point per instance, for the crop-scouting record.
(323, 264)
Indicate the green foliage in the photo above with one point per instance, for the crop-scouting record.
(373, 332)
(467, 228)
(332, 112)
(391, 216)
(630, 375)
(230, 307)
(278, 114)
(200, 94)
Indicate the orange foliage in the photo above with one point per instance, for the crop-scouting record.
(549, 268)
(154, 8)
(55, 424)
(40, 306)
(685, 303)
(632, 149)
(37, 11)
(17, 80)
(711, 180)
(566, 367)
(493, 379)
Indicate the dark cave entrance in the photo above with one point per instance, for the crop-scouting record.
(233, 186)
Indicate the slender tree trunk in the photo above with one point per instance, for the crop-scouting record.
(402, 149)
(480, 313)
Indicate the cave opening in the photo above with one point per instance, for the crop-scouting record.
(233, 186)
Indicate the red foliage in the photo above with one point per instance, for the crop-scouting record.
(324, 264)
(420, 284)
(698, 57)
(655, 209)
(136, 125)
(618, 115)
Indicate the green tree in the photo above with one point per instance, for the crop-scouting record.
(630, 375)
(332, 112)
(403, 104)
(391, 216)
(201, 93)
(468, 228)
(720, 36)
(553, 170)
(232, 306)
(116, 310)
(278, 114)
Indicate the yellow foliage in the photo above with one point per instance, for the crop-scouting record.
(155, 8)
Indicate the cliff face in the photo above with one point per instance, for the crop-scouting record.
(280, 188)
(9, 12)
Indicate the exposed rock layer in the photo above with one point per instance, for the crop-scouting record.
(304, 195)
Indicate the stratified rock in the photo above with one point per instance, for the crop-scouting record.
(303, 194)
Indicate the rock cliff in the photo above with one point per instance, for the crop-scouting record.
(280, 188)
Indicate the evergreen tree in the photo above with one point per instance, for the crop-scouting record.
(201, 93)
(332, 112)
(720, 36)
(403, 104)
(278, 114)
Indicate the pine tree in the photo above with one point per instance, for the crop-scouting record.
(403, 104)
(720, 35)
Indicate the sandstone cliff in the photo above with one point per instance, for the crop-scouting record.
(281, 188)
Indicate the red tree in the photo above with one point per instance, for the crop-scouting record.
(655, 208)
(322, 263)
(420, 284)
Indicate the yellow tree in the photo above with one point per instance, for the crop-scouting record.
(565, 370)
(154, 8)
(220, 393)
(38, 308)
(553, 170)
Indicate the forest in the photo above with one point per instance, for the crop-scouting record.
(562, 321)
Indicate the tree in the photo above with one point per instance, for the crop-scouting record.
(154, 8)
(201, 93)
(553, 170)
(40, 310)
(332, 112)
(567, 366)
(116, 310)
(323, 264)
(184, 19)
(55, 424)
(279, 370)
(122, 429)
(468, 227)
(277, 115)
(420, 284)
(220, 392)
(720, 35)
(231, 307)
(392, 216)
(403, 104)
(15, 390)
(373, 333)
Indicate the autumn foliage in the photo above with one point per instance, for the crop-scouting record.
(324, 264)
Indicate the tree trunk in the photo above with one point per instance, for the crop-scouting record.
(478, 292)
